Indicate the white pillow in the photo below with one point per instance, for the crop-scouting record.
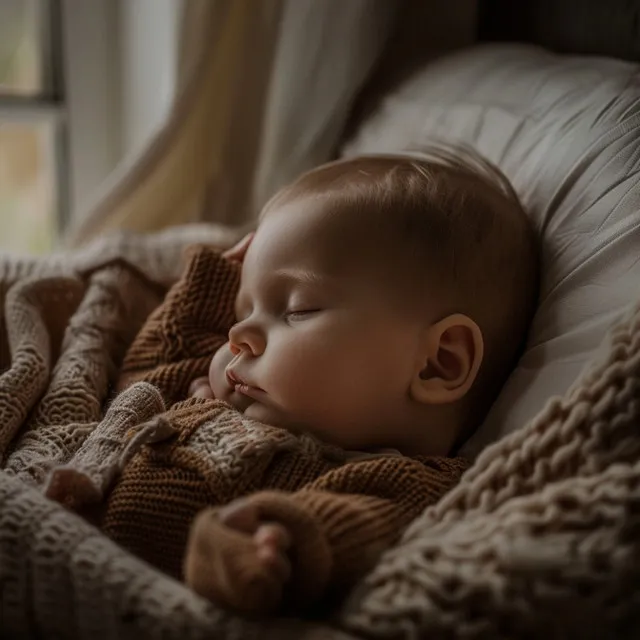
(566, 132)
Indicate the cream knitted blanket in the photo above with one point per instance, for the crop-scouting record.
(542, 536)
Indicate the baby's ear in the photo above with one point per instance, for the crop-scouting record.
(449, 361)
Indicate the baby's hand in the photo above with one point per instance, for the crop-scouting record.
(238, 251)
(200, 388)
(271, 539)
(237, 560)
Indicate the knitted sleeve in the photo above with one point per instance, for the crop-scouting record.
(342, 522)
(177, 341)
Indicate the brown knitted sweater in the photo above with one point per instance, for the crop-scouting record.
(342, 509)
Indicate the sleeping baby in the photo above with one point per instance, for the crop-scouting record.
(382, 303)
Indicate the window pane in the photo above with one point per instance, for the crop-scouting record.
(21, 44)
(28, 193)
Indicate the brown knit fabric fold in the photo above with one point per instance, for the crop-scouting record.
(176, 343)
(356, 512)
(341, 513)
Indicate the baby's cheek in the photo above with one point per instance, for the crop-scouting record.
(217, 373)
(308, 371)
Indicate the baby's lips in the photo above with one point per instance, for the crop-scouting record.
(235, 379)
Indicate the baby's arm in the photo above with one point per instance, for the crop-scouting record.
(201, 387)
(274, 547)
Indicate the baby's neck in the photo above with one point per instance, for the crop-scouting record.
(431, 430)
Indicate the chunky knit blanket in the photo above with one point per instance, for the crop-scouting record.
(541, 536)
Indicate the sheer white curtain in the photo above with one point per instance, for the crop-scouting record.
(264, 91)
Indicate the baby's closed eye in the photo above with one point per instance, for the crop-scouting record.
(301, 313)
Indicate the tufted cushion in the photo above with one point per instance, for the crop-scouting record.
(566, 132)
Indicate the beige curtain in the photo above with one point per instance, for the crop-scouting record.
(264, 91)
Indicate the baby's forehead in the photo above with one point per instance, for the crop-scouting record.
(319, 253)
(306, 229)
(307, 255)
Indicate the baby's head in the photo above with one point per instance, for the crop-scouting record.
(383, 302)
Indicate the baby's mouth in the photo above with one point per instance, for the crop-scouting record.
(239, 385)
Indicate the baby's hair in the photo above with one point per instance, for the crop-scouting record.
(454, 221)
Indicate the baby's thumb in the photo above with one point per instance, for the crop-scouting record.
(241, 516)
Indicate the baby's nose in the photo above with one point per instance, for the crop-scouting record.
(247, 336)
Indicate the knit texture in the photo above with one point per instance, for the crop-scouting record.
(540, 537)
(342, 515)
(176, 343)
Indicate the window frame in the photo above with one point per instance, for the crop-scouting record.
(47, 106)
(93, 92)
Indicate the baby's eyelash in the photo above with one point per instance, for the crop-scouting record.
(300, 313)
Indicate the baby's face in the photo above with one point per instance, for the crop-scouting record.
(319, 345)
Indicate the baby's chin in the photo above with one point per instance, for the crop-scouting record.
(267, 415)
(275, 417)
(253, 409)
(238, 401)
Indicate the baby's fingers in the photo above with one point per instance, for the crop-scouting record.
(238, 251)
(241, 515)
(273, 535)
(271, 541)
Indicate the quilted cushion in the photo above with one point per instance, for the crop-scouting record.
(566, 131)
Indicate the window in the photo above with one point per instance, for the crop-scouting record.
(33, 176)
(83, 84)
